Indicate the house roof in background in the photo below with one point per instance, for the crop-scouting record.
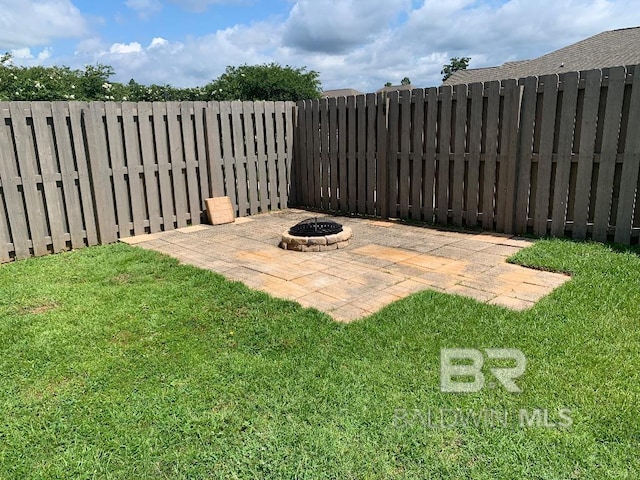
(607, 49)
(393, 88)
(340, 92)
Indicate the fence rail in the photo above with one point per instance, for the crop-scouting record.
(554, 155)
(78, 174)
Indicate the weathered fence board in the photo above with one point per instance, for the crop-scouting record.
(554, 155)
(77, 174)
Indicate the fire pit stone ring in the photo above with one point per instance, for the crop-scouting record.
(316, 235)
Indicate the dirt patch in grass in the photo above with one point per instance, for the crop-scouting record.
(39, 308)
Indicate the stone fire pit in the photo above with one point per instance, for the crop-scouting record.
(316, 235)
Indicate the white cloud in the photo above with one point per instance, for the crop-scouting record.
(122, 48)
(363, 44)
(335, 26)
(158, 42)
(29, 23)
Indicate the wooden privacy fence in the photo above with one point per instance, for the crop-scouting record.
(77, 174)
(554, 155)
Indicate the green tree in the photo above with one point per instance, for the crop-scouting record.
(265, 82)
(405, 81)
(457, 63)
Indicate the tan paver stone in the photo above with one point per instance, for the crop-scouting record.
(510, 302)
(348, 313)
(487, 259)
(527, 291)
(464, 268)
(505, 250)
(241, 220)
(283, 289)
(192, 229)
(378, 223)
(320, 301)
(496, 287)
(317, 281)
(440, 280)
(449, 251)
(479, 295)
(373, 303)
(492, 237)
(405, 288)
(430, 262)
(472, 244)
(386, 253)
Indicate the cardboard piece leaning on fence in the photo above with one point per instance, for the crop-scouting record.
(220, 210)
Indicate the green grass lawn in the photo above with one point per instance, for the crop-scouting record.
(121, 363)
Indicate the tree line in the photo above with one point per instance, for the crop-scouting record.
(93, 82)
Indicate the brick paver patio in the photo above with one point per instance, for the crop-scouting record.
(385, 261)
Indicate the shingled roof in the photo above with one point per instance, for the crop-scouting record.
(606, 49)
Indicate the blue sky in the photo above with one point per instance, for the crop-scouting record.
(357, 44)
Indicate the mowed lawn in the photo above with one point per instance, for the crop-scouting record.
(120, 363)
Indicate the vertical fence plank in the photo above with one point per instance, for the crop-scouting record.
(248, 116)
(458, 191)
(28, 171)
(76, 110)
(203, 173)
(342, 153)
(134, 167)
(177, 163)
(324, 152)
(239, 158)
(549, 104)
(15, 211)
(40, 112)
(525, 153)
(160, 118)
(333, 153)
(289, 129)
(99, 171)
(118, 169)
(71, 194)
(149, 166)
(370, 154)
(606, 171)
(392, 154)
(404, 158)
(565, 148)
(475, 146)
(491, 154)
(191, 161)
(215, 159)
(630, 166)
(304, 117)
(361, 167)
(263, 179)
(351, 153)
(430, 138)
(282, 156)
(314, 143)
(227, 154)
(269, 113)
(585, 153)
(444, 147)
(417, 158)
(509, 155)
(382, 157)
